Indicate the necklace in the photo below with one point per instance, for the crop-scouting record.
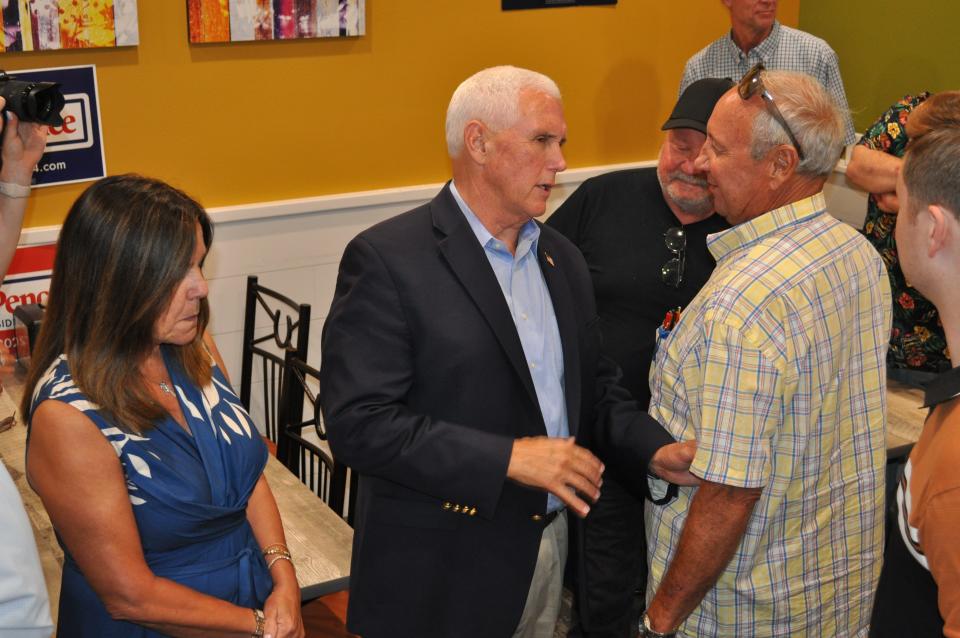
(165, 388)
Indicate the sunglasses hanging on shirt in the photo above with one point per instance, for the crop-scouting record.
(671, 273)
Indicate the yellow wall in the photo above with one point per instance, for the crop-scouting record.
(254, 122)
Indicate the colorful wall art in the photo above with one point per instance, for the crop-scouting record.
(244, 20)
(47, 25)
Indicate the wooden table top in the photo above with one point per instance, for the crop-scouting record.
(905, 417)
(319, 540)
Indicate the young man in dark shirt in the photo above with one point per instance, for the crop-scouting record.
(643, 234)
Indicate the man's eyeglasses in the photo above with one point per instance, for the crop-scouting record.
(676, 242)
(750, 85)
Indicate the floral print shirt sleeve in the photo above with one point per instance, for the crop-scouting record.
(916, 339)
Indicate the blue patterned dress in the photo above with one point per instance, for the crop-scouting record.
(189, 496)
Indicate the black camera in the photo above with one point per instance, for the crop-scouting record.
(32, 101)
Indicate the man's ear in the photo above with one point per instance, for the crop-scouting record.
(943, 229)
(475, 141)
(783, 164)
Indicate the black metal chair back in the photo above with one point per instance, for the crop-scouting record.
(288, 332)
(304, 432)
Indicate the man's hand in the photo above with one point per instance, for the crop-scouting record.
(672, 463)
(558, 466)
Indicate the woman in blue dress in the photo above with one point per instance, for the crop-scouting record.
(147, 463)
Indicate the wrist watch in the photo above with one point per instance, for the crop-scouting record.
(646, 631)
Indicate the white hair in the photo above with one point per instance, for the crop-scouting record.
(813, 116)
(491, 96)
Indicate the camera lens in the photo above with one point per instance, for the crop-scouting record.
(44, 103)
(33, 101)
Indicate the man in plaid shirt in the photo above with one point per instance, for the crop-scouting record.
(777, 370)
(756, 36)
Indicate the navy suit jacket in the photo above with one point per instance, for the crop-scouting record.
(424, 387)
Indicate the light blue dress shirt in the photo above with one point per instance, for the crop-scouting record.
(531, 307)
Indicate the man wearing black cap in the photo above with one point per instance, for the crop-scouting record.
(643, 234)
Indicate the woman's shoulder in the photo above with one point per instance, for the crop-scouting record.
(57, 384)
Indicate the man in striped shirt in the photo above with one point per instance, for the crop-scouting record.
(777, 370)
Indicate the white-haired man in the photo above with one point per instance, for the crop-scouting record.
(777, 370)
(756, 36)
(462, 378)
(919, 590)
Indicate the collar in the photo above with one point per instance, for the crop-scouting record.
(750, 232)
(764, 50)
(529, 232)
(945, 387)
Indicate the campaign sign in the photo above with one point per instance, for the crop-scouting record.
(75, 148)
(27, 281)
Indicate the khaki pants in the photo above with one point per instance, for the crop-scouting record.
(539, 618)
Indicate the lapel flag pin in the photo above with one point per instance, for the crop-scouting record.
(549, 259)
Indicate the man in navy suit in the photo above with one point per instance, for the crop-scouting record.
(462, 378)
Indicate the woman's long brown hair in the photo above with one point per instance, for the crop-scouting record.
(124, 248)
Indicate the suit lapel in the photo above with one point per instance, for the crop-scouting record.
(563, 308)
(459, 246)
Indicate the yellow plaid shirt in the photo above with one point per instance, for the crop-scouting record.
(777, 370)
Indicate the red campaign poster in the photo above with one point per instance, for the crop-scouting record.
(27, 281)
(507, 5)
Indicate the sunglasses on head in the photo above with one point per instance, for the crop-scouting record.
(752, 84)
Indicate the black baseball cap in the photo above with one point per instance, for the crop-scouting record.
(696, 103)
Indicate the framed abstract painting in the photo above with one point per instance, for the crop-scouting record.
(246, 20)
(49, 25)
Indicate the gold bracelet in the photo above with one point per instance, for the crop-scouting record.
(276, 548)
(277, 552)
(279, 557)
(261, 621)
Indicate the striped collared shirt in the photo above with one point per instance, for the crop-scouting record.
(784, 49)
(777, 370)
